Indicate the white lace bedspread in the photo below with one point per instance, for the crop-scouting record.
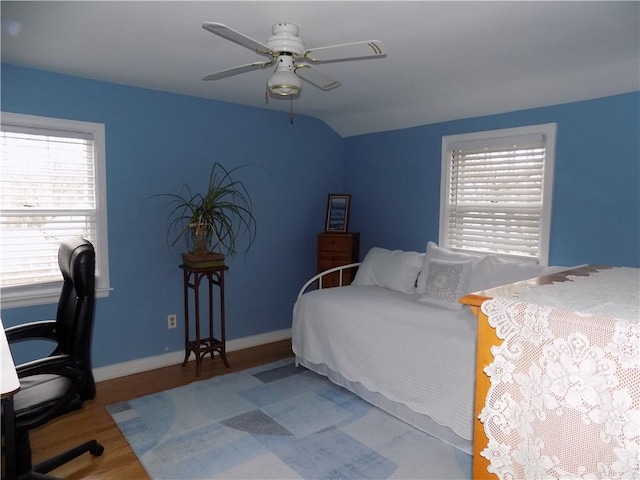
(613, 292)
(419, 355)
(564, 399)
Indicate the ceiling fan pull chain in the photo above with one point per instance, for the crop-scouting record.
(291, 112)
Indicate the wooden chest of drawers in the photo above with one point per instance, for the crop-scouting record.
(335, 249)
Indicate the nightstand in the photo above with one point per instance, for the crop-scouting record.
(334, 250)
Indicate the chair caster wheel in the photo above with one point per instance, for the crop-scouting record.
(97, 450)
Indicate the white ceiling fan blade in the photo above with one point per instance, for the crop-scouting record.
(316, 77)
(236, 37)
(236, 70)
(369, 48)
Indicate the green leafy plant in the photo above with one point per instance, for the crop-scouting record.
(215, 219)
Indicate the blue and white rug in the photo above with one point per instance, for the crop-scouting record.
(274, 422)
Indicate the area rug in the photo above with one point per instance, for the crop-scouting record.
(277, 421)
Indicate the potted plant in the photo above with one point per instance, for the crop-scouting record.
(216, 219)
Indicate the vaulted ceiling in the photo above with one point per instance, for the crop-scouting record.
(445, 60)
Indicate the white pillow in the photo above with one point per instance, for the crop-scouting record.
(393, 269)
(434, 252)
(482, 274)
(446, 282)
(493, 271)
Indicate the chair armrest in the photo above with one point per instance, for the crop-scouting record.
(45, 329)
(55, 365)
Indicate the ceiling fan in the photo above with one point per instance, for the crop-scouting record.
(292, 60)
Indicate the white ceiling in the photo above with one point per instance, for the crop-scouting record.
(445, 60)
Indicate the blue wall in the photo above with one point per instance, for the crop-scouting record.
(394, 178)
(158, 141)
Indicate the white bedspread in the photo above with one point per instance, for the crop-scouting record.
(419, 355)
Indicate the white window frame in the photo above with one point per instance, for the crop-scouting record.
(494, 138)
(46, 293)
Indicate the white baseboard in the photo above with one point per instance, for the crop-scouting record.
(172, 358)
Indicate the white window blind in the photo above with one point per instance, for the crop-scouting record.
(496, 192)
(50, 190)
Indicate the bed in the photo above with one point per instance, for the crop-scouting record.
(401, 345)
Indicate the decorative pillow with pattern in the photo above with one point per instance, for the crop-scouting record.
(446, 282)
(434, 252)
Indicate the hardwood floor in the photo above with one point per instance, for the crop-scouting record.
(93, 421)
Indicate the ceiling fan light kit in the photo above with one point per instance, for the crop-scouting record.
(284, 82)
(291, 57)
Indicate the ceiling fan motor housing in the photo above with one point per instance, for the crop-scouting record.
(285, 39)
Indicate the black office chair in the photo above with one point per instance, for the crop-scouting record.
(60, 383)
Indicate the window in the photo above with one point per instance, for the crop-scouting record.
(52, 186)
(496, 192)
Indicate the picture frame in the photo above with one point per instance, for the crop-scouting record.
(338, 208)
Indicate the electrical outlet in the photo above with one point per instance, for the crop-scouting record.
(172, 321)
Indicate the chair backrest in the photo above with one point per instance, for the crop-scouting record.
(77, 261)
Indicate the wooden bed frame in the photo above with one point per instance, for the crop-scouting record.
(487, 338)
